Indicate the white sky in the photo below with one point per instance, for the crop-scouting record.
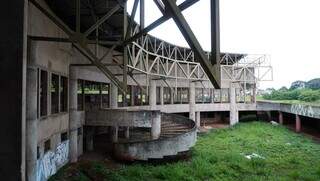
(287, 30)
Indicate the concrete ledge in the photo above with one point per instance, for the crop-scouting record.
(121, 117)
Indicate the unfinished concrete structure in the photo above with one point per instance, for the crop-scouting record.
(74, 70)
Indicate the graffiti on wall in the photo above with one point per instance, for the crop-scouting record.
(302, 110)
(52, 161)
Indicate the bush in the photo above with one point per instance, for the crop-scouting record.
(307, 95)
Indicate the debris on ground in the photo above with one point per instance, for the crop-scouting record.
(254, 155)
(274, 123)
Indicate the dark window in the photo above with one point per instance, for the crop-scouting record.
(128, 96)
(144, 96)
(120, 99)
(224, 95)
(64, 94)
(43, 93)
(80, 95)
(79, 131)
(167, 95)
(64, 136)
(47, 146)
(105, 89)
(217, 95)
(158, 95)
(38, 152)
(199, 95)
(206, 95)
(136, 95)
(54, 93)
(184, 95)
(92, 95)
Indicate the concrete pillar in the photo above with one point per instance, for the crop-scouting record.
(114, 131)
(280, 118)
(127, 133)
(74, 122)
(161, 96)
(153, 94)
(113, 96)
(32, 124)
(89, 138)
(298, 123)
(234, 114)
(156, 125)
(192, 101)
(198, 116)
(114, 105)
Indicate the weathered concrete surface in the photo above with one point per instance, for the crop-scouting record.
(32, 122)
(299, 109)
(121, 117)
(156, 125)
(234, 114)
(192, 101)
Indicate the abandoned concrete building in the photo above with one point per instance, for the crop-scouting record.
(79, 73)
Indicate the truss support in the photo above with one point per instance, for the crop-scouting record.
(186, 31)
(215, 32)
(186, 4)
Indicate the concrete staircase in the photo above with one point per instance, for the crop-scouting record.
(178, 134)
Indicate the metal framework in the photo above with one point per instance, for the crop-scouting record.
(144, 54)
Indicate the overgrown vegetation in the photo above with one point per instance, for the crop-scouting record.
(221, 155)
(305, 95)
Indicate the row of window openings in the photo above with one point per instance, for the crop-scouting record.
(92, 95)
(54, 87)
(95, 95)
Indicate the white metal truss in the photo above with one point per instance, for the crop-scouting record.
(250, 68)
(155, 57)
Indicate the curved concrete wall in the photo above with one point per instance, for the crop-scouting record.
(157, 149)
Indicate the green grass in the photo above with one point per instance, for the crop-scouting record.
(220, 155)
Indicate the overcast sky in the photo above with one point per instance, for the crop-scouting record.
(287, 30)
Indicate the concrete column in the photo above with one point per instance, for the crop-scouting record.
(298, 123)
(115, 130)
(73, 121)
(153, 94)
(192, 101)
(161, 96)
(113, 96)
(234, 114)
(198, 116)
(156, 125)
(127, 133)
(280, 118)
(32, 124)
(89, 138)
